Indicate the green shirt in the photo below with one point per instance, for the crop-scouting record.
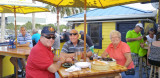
(134, 45)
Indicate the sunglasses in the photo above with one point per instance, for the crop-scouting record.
(72, 34)
(49, 37)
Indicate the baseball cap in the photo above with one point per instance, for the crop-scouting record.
(48, 30)
(151, 29)
(81, 32)
(140, 25)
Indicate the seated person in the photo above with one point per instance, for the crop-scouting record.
(119, 50)
(41, 62)
(24, 40)
(69, 47)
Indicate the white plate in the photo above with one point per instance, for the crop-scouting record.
(83, 64)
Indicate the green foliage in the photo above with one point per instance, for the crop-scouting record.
(65, 10)
(11, 26)
(28, 25)
(63, 27)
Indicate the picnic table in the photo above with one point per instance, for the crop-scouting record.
(90, 73)
(19, 52)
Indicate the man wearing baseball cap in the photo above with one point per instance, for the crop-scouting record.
(42, 63)
(134, 39)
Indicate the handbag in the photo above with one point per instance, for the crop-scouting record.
(130, 72)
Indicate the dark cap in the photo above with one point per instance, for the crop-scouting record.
(48, 30)
(81, 32)
(151, 29)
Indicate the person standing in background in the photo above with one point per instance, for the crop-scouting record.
(65, 36)
(88, 41)
(35, 37)
(151, 36)
(134, 39)
(56, 44)
(158, 34)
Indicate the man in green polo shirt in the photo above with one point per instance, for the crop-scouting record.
(134, 38)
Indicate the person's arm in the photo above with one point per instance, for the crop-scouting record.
(133, 39)
(129, 37)
(23, 45)
(104, 54)
(67, 55)
(56, 58)
(89, 54)
(128, 59)
(148, 50)
(55, 66)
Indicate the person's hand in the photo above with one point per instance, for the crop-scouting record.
(68, 60)
(14, 43)
(62, 59)
(139, 38)
(142, 44)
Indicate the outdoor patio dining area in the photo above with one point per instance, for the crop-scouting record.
(99, 39)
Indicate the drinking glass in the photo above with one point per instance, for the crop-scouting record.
(78, 54)
(95, 56)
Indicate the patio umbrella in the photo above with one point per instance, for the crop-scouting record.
(88, 4)
(19, 7)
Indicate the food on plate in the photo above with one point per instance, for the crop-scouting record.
(99, 65)
(111, 61)
(67, 65)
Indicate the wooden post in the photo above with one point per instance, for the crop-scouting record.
(15, 25)
(16, 39)
(84, 31)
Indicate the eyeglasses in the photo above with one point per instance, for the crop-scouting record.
(140, 28)
(49, 37)
(115, 37)
(72, 34)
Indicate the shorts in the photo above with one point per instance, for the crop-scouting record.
(152, 62)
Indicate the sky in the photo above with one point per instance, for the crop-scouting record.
(51, 17)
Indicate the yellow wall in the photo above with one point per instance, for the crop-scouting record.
(106, 29)
(80, 27)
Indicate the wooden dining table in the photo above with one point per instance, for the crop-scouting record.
(90, 73)
(19, 52)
